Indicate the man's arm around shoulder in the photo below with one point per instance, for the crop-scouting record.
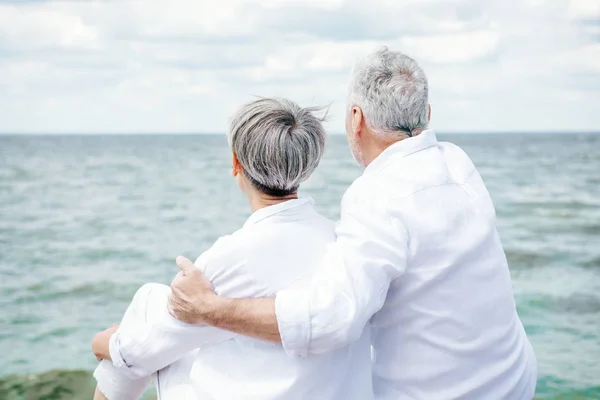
(347, 289)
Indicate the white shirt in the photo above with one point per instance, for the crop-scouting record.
(279, 245)
(417, 254)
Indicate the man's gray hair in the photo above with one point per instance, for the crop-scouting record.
(391, 90)
(278, 143)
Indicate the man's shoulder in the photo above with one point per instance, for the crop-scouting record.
(377, 191)
(361, 188)
(321, 223)
(404, 177)
(366, 198)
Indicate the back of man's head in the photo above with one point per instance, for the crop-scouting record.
(392, 91)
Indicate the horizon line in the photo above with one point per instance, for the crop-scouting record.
(13, 134)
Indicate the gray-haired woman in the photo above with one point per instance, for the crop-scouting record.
(276, 145)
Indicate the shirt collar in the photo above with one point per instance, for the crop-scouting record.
(279, 208)
(403, 148)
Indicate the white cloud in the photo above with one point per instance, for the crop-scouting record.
(181, 19)
(583, 9)
(452, 48)
(37, 26)
(185, 65)
(319, 4)
(584, 60)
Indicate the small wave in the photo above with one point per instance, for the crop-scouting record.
(575, 304)
(59, 332)
(527, 259)
(592, 263)
(118, 291)
(590, 393)
(591, 229)
(112, 254)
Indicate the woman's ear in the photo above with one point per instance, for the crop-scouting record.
(236, 167)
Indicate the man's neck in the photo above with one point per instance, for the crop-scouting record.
(379, 145)
(260, 200)
(377, 148)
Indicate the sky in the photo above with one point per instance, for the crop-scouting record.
(117, 66)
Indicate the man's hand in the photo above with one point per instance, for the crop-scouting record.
(192, 298)
(101, 342)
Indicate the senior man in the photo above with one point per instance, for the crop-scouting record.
(417, 254)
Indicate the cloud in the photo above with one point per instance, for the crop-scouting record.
(583, 9)
(38, 27)
(185, 65)
(452, 48)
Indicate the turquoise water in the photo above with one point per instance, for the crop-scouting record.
(85, 220)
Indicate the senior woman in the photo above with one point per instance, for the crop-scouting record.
(276, 145)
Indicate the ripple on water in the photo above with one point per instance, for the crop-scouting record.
(24, 319)
(58, 332)
(592, 262)
(527, 259)
(574, 304)
(105, 289)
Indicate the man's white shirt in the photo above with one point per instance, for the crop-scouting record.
(418, 255)
(278, 246)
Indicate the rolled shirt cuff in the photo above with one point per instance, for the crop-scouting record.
(105, 381)
(292, 308)
(117, 359)
(114, 385)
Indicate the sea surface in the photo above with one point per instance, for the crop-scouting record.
(86, 220)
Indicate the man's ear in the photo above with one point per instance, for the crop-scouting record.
(429, 112)
(236, 167)
(358, 121)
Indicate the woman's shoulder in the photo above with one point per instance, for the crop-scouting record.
(225, 248)
(225, 265)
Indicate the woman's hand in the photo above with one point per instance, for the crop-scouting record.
(100, 343)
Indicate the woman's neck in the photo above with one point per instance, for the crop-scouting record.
(259, 200)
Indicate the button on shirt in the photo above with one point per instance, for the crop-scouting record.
(418, 255)
(278, 246)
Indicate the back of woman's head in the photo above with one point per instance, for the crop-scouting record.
(278, 144)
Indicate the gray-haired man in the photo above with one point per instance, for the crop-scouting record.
(417, 254)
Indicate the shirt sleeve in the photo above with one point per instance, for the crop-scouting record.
(144, 348)
(349, 286)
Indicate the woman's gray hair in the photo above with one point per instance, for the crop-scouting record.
(392, 91)
(278, 143)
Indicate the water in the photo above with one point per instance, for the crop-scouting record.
(85, 220)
